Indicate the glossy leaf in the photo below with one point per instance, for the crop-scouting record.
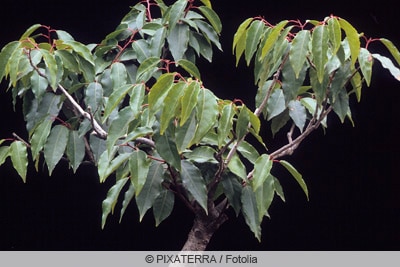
(147, 68)
(163, 205)
(298, 113)
(233, 191)
(276, 104)
(29, 31)
(353, 39)
(239, 39)
(253, 36)
(388, 64)
(212, 17)
(193, 182)
(39, 84)
(75, 150)
(335, 34)
(109, 203)
(292, 84)
(118, 74)
(119, 126)
(4, 154)
(250, 211)
(272, 37)
(264, 196)
(55, 146)
(201, 154)
(262, 169)
(81, 50)
(115, 99)
(5, 56)
(139, 166)
(391, 47)
(108, 165)
(128, 196)
(39, 137)
(209, 33)
(319, 42)
(207, 111)
(189, 101)
(171, 105)
(178, 40)
(184, 134)
(225, 123)
(94, 96)
(51, 65)
(19, 158)
(243, 120)
(151, 189)
(297, 176)
(167, 149)
(176, 13)
(189, 67)
(299, 51)
(365, 59)
(237, 167)
(341, 105)
(159, 91)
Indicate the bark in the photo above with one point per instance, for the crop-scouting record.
(204, 227)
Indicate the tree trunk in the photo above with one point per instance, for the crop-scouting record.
(204, 227)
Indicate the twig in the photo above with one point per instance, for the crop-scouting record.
(21, 139)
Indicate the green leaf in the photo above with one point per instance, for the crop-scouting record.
(119, 126)
(109, 203)
(94, 97)
(51, 65)
(128, 196)
(272, 37)
(81, 50)
(233, 191)
(194, 183)
(212, 17)
(5, 56)
(69, 60)
(189, 101)
(290, 83)
(202, 154)
(353, 39)
(388, 64)
(107, 165)
(319, 49)
(237, 167)
(209, 33)
(190, 68)
(55, 146)
(276, 104)
(171, 105)
(185, 134)
(63, 35)
(239, 39)
(118, 74)
(207, 3)
(311, 105)
(176, 13)
(4, 153)
(178, 40)
(365, 59)
(299, 50)
(146, 69)
(253, 36)
(335, 34)
(225, 123)
(139, 166)
(207, 112)
(297, 176)
(167, 149)
(242, 123)
(137, 97)
(163, 205)
(391, 47)
(151, 189)
(264, 196)
(159, 91)
(250, 211)
(262, 169)
(248, 151)
(115, 99)
(29, 31)
(75, 149)
(19, 158)
(341, 105)
(39, 84)
(298, 113)
(157, 42)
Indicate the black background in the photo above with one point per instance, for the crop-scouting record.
(352, 172)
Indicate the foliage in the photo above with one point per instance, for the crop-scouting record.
(135, 104)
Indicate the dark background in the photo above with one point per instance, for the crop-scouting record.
(350, 171)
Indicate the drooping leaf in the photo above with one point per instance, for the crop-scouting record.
(242, 124)
(39, 137)
(319, 49)
(250, 211)
(189, 101)
(108, 165)
(184, 134)
(39, 84)
(262, 169)
(94, 96)
(128, 196)
(341, 105)
(352, 38)
(51, 65)
(146, 69)
(391, 47)
(297, 176)
(163, 205)
(75, 149)
(248, 151)
(19, 158)
(55, 146)
(118, 74)
(171, 105)
(237, 167)
(365, 59)
(115, 99)
(212, 17)
(388, 64)
(29, 31)
(159, 91)
(201, 154)
(279, 121)
(139, 166)
(4, 154)
(299, 51)
(81, 50)
(167, 149)
(151, 189)
(276, 104)
(109, 203)
(176, 13)
(239, 39)
(298, 113)
(207, 111)
(189, 67)
(233, 191)
(292, 84)
(5, 56)
(225, 123)
(178, 40)
(335, 34)
(272, 37)
(264, 196)
(253, 36)
(194, 183)
(119, 126)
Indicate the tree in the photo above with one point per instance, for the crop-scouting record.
(136, 107)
